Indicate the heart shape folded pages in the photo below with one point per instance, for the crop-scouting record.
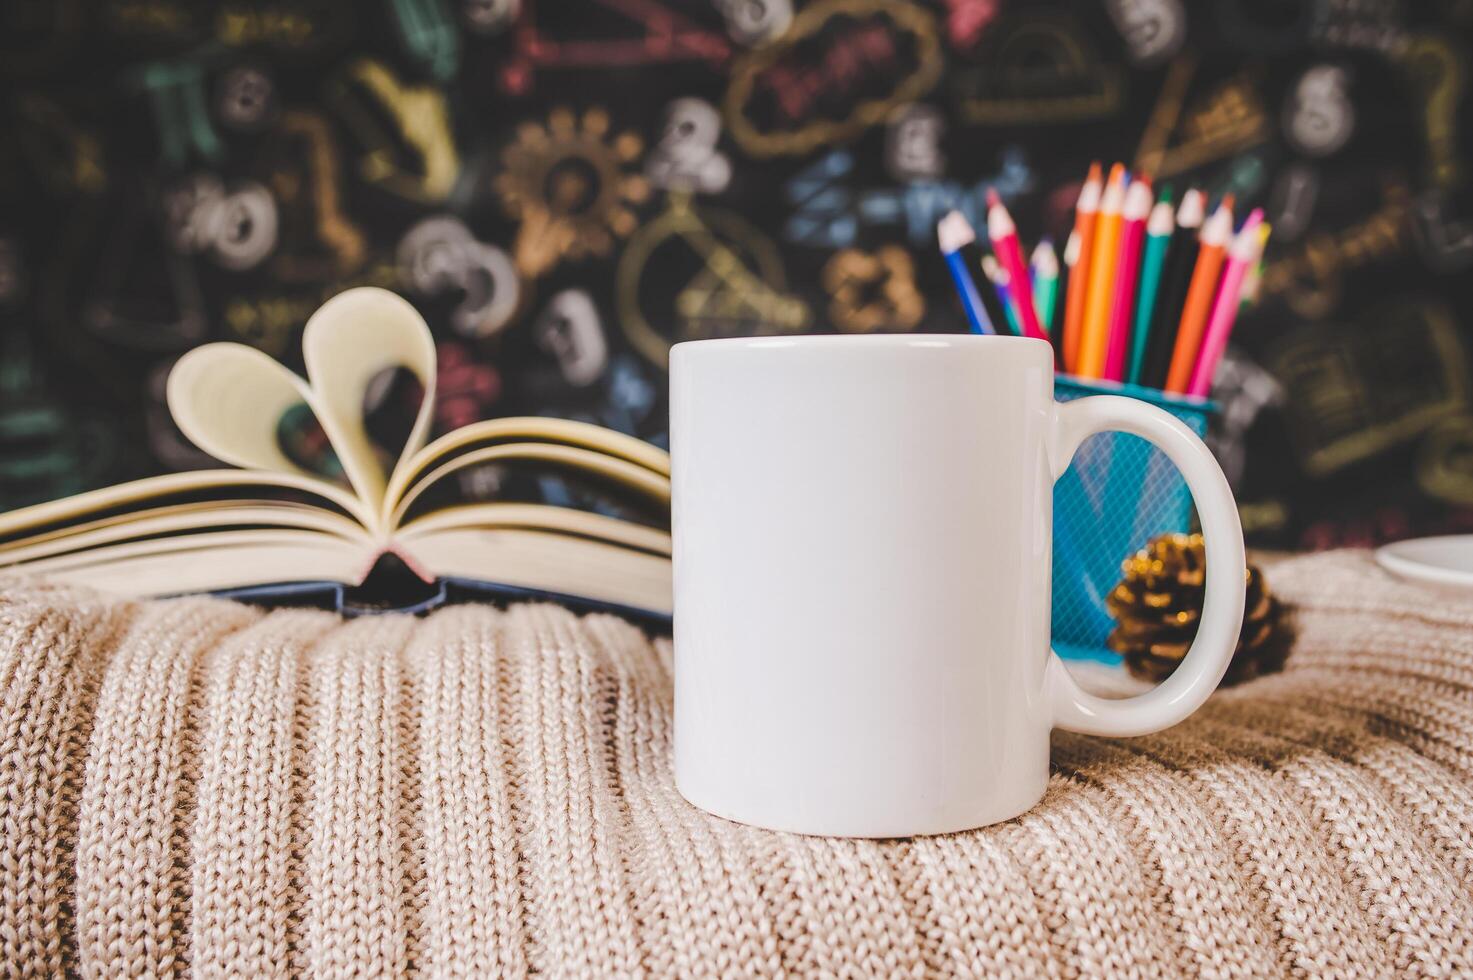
(597, 529)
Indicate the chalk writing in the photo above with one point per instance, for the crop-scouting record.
(658, 35)
(816, 84)
(828, 213)
(1035, 70)
(1354, 392)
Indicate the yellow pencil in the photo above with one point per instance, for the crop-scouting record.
(1101, 291)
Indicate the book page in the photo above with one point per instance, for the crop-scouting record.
(354, 337)
(208, 562)
(645, 481)
(538, 517)
(94, 503)
(181, 519)
(522, 430)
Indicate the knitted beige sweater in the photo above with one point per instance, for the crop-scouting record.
(193, 785)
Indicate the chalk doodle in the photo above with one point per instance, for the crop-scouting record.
(428, 35)
(235, 225)
(367, 91)
(571, 331)
(686, 157)
(1372, 25)
(1444, 238)
(752, 22)
(570, 186)
(154, 21)
(1242, 390)
(841, 68)
(1154, 30)
(1437, 71)
(465, 387)
(967, 20)
(1318, 114)
(873, 291)
(1292, 201)
(828, 213)
(440, 255)
(176, 90)
(1244, 176)
(697, 273)
(658, 35)
(913, 143)
(489, 16)
(1356, 391)
(1309, 277)
(1444, 462)
(318, 239)
(291, 27)
(1037, 69)
(245, 98)
(1227, 119)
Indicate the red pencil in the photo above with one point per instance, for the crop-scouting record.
(1133, 225)
(1004, 235)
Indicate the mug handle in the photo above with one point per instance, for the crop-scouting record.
(1222, 611)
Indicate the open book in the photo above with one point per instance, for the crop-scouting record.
(518, 505)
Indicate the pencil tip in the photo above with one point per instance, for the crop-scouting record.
(1117, 173)
(1165, 194)
(993, 200)
(954, 231)
(1227, 201)
(1094, 171)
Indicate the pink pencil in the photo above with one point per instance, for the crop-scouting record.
(1004, 235)
(1133, 225)
(1242, 253)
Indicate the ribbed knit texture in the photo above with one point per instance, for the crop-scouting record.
(197, 786)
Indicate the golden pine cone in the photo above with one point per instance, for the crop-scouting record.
(1159, 601)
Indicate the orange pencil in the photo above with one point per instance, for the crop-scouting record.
(1093, 334)
(1086, 211)
(1215, 235)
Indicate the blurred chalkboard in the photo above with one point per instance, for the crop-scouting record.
(566, 188)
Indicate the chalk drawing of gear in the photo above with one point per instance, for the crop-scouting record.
(701, 273)
(572, 186)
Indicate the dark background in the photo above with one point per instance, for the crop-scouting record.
(175, 172)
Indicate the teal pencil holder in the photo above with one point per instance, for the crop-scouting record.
(1118, 493)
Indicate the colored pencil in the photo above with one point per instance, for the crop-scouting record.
(1133, 216)
(1241, 254)
(1216, 232)
(1086, 212)
(1158, 237)
(1044, 268)
(1253, 280)
(997, 276)
(1004, 236)
(1093, 338)
(1176, 276)
(953, 233)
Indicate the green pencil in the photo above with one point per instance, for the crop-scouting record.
(1158, 236)
(1045, 271)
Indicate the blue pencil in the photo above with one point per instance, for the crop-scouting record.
(954, 232)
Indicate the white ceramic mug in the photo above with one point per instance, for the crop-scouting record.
(862, 574)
